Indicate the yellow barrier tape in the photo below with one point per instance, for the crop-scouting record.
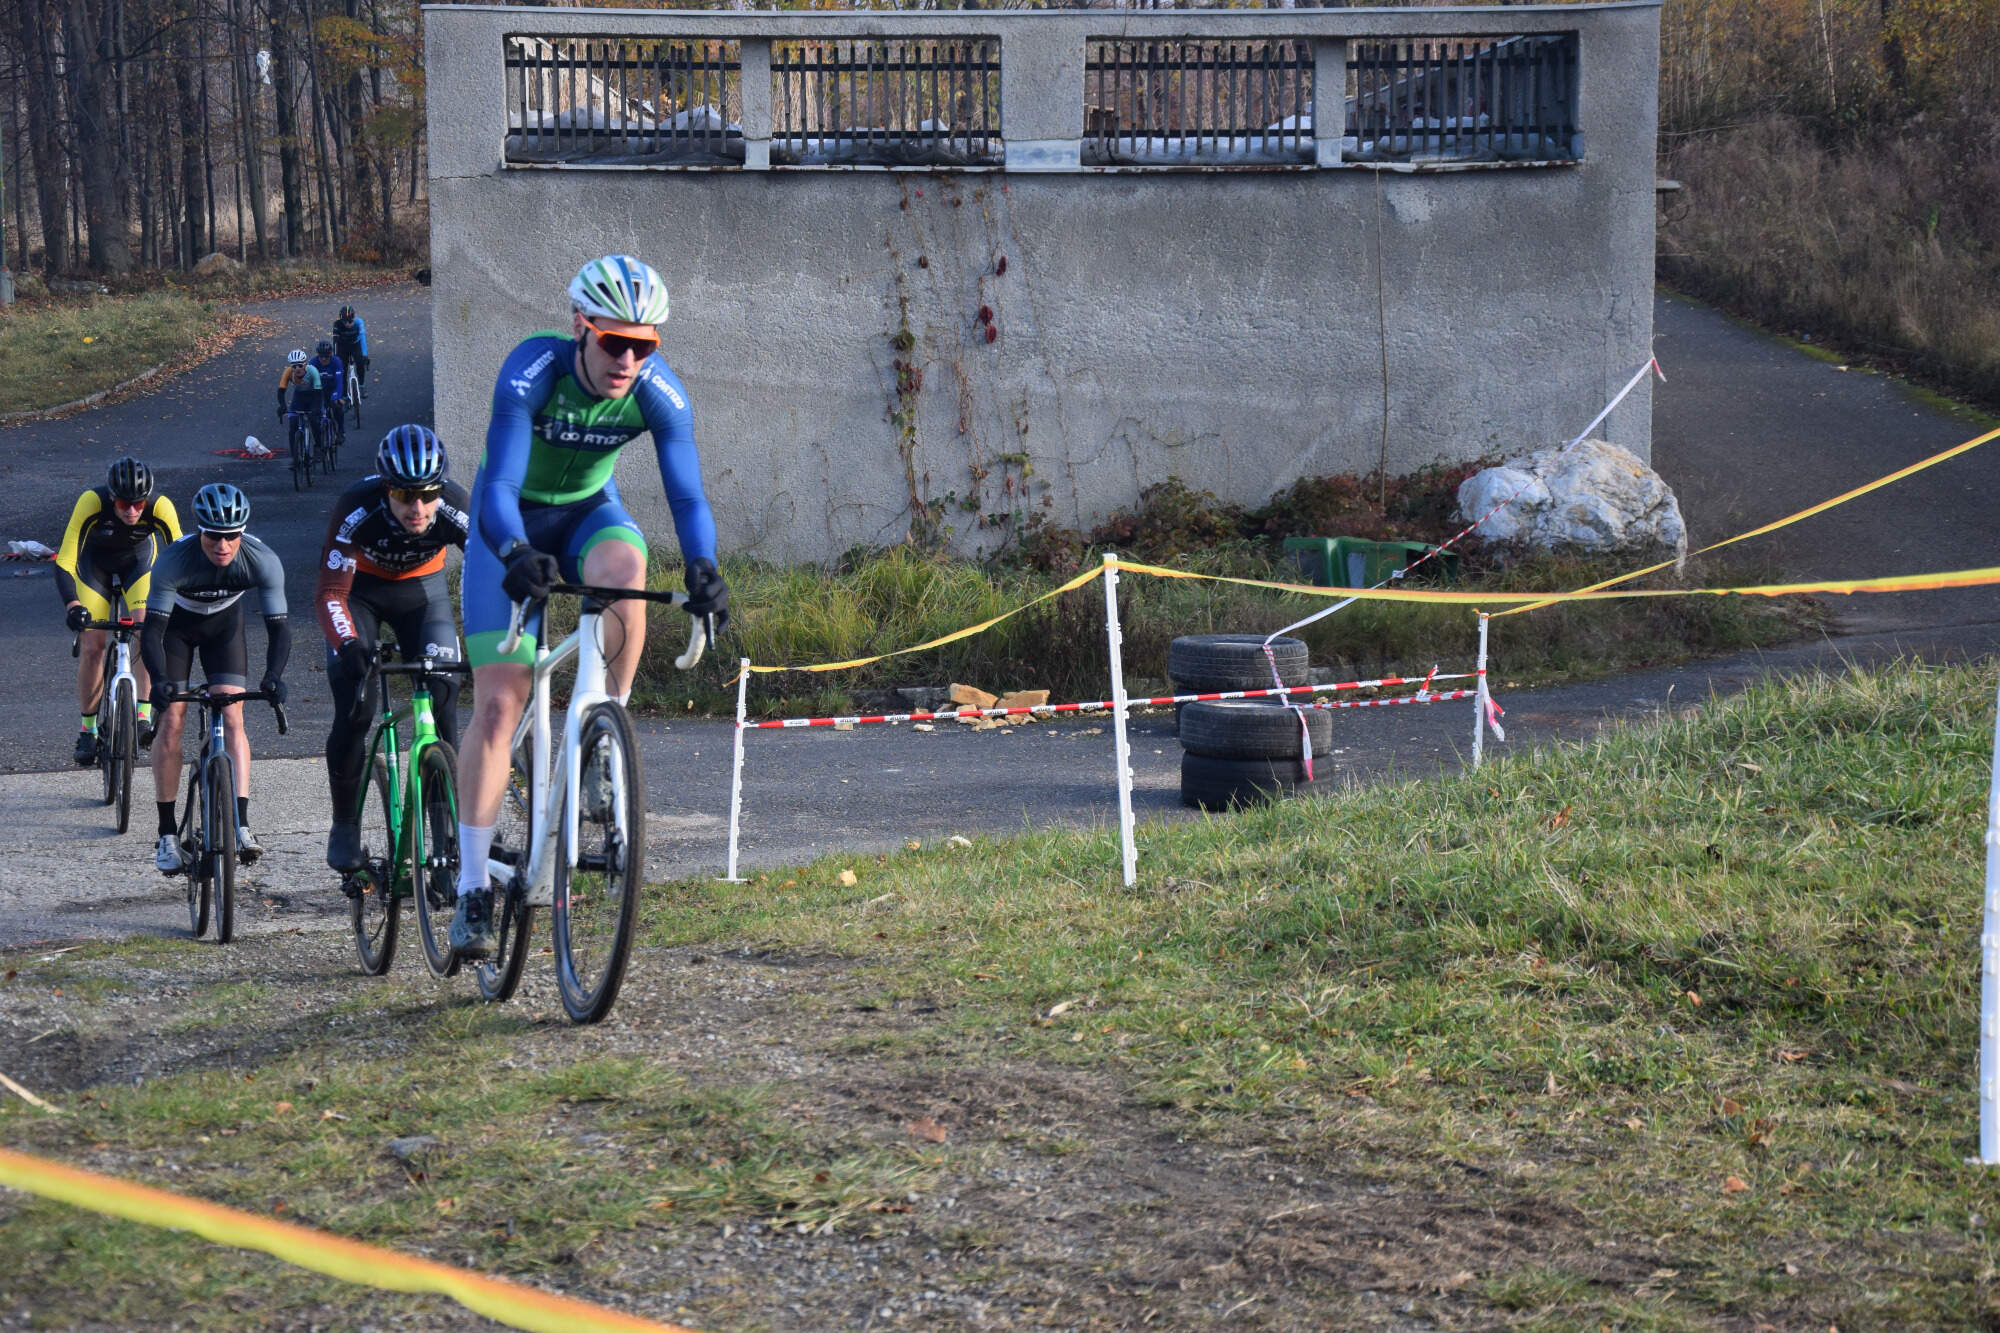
(506, 1302)
(1962, 578)
(1787, 521)
(953, 637)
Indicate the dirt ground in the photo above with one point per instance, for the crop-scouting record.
(1069, 1202)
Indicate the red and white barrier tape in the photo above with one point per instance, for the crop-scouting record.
(1098, 705)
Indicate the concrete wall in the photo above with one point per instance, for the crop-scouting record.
(1225, 327)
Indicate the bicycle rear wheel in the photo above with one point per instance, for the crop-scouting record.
(196, 872)
(513, 920)
(123, 746)
(372, 910)
(433, 847)
(596, 902)
(220, 844)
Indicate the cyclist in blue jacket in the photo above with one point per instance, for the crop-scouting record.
(545, 509)
(350, 341)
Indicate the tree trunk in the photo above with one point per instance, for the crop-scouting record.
(384, 156)
(325, 171)
(97, 137)
(288, 137)
(361, 160)
(244, 13)
(32, 31)
(188, 113)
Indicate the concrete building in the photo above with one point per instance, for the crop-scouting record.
(945, 273)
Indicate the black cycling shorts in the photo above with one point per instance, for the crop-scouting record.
(217, 639)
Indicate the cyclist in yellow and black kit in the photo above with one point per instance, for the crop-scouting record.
(114, 534)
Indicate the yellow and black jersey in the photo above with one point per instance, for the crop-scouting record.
(100, 551)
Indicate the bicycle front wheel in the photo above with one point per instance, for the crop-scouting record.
(122, 748)
(220, 844)
(372, 909)
(513, 920)
(433, 845)
(597, 900)
(295, 445)
(354, 395)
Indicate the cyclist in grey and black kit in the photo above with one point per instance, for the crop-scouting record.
(195, 607)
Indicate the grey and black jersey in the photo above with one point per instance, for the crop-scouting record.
(186, 578)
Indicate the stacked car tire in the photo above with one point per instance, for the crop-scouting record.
(1242, 751)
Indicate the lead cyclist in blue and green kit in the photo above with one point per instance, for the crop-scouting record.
(545, 509)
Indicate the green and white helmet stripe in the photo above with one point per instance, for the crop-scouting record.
(620, 287)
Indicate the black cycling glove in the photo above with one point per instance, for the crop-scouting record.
(708, 595)
(530, 574)
(355, 659)
(78, 617)
(275, 687)
(162, 693)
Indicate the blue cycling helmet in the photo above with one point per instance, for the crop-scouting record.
(220, 507)
(411, 456)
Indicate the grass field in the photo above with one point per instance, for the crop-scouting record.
(57, 353)
(1675, 1029)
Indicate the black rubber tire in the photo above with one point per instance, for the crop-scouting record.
(498, 976)
(1252, 729)
(433, 845)
(222, 843)
(1200, 663)
(596, 903)
(124, 752)
(196, 869)
(373, 913)
(1226, 784)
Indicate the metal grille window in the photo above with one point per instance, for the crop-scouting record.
(888, 102)
(1506, 99)
(577, 101)
(1198, 102)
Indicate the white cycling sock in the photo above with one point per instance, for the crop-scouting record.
(473, 845)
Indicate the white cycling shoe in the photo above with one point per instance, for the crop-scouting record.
(167, 855)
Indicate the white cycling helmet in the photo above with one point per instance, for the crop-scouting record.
(620, 287)
(296, 357)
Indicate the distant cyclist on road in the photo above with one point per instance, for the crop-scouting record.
(545, 508)
(383, 563)
(350, 338)
(195, 609)
(302, 382)
(332, 375)
(115, 533)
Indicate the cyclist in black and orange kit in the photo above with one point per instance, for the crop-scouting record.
(115, 533)
(383, 564)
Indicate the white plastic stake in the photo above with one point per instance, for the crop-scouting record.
(1115, 635)
(736, 772)
(1479, 700)
(1989, 978)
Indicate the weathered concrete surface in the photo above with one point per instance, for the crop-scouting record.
(1225, 327)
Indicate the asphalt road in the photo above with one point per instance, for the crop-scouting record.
(1746, 430)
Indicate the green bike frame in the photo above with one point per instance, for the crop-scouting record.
(405, 786)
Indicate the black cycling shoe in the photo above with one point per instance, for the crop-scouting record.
(147, 729)
(343, 846)
(472, 925)
(86, 748)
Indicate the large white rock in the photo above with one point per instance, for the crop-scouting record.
(1597, 499)
(215, 262)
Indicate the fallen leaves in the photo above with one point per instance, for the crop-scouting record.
(847, 879)
(927, 1129)
(1734, 1185)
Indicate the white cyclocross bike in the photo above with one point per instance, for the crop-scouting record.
(572, 829)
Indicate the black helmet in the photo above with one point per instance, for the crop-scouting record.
(324, 348)
(410, 456)
(347, 312)
(220, 507)
(130, 481)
